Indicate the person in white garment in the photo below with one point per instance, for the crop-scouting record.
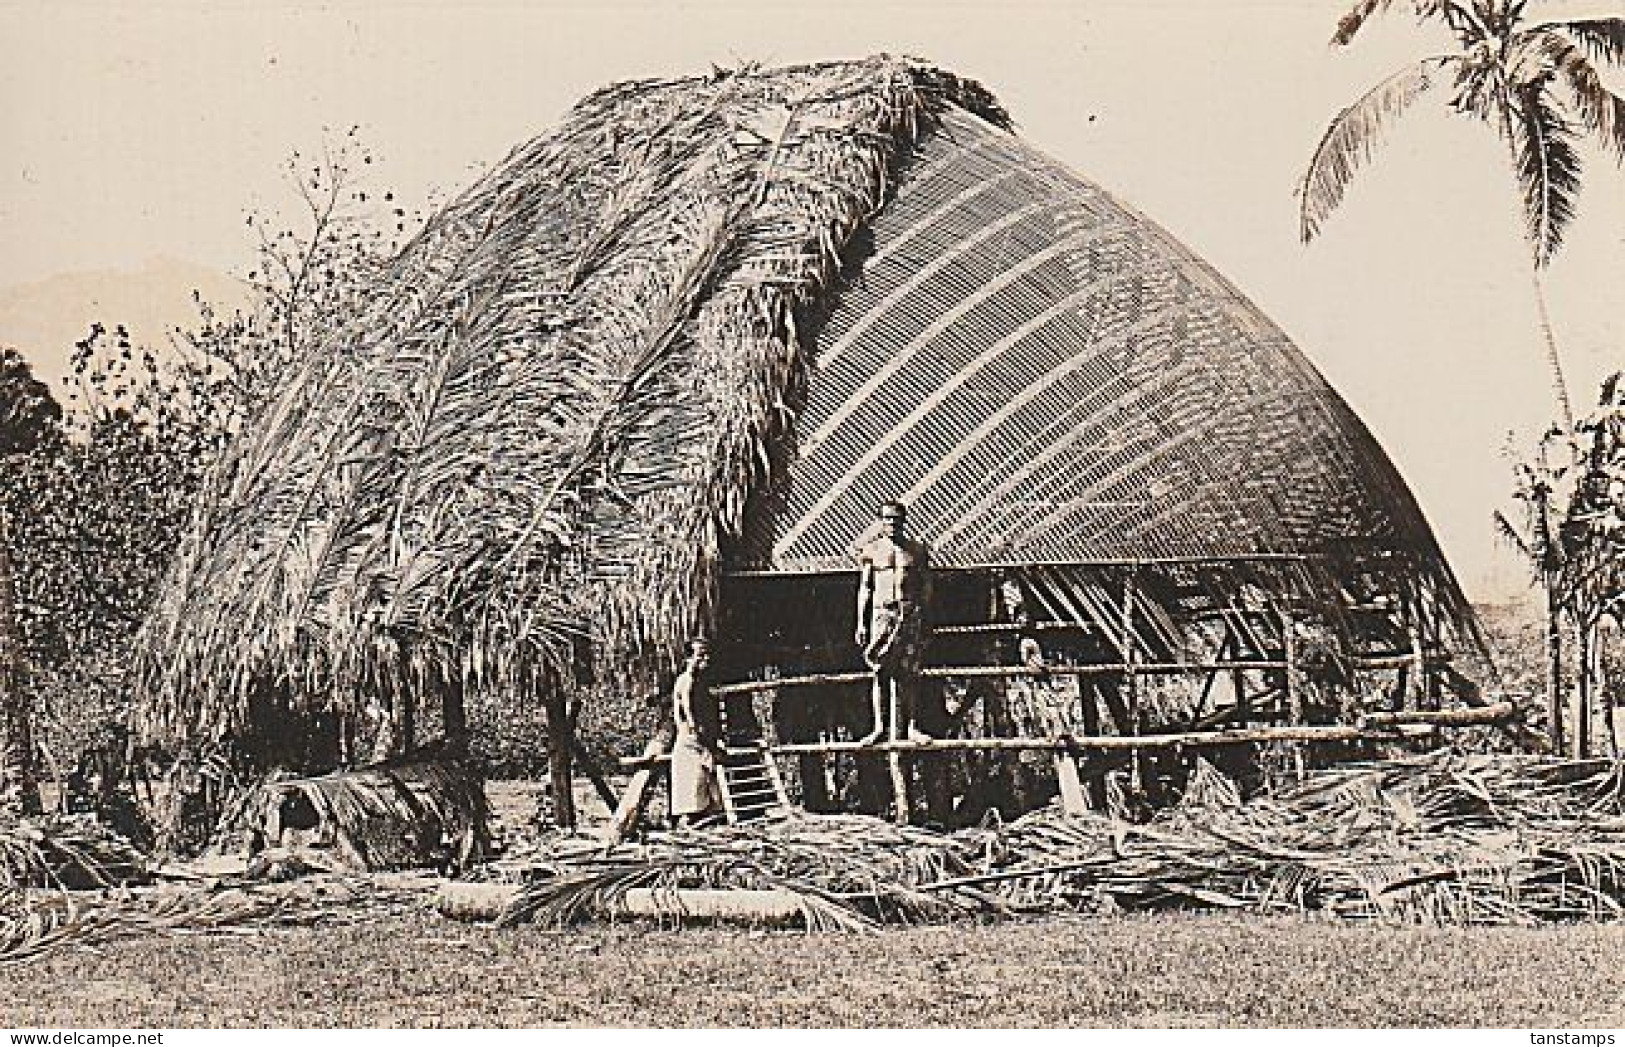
(697, 751)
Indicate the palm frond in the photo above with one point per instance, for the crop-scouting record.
(1603, 38)
(1353, 136)
(1601, 111)
(1547, 168)
(1508, 533)
(1356, 17)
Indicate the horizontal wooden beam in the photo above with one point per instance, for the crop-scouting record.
(1496, 714)
(1399, 660)
(1011, 627)
(1151, 561)
(1372, 727)
(959, 672)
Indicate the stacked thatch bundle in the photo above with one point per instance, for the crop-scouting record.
(550, 418)
(1441, 839)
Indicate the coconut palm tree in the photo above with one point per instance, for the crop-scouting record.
(1534, 82)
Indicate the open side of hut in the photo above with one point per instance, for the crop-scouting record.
(650, 377)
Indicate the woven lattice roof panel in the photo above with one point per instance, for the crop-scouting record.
(1043, 374)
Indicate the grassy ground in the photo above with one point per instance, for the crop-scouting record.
(1131, 971)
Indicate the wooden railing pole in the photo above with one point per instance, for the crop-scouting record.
(1390, 726)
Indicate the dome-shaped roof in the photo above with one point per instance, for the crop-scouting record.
(1042, 374)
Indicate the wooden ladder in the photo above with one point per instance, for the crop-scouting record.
(751, 786)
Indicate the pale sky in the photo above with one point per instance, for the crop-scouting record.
(133, 138)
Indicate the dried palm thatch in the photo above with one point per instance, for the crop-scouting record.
(33, 927)
(1442, 839)
(70, 881)
(424, 812)
(549, 419)
(69, 851)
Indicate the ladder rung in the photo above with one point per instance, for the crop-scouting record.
(742, 793)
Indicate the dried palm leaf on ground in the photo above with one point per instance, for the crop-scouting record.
(38, 923)
(427, 811)
(69, 851)
(1442, 839)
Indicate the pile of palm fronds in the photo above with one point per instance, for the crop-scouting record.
(70, 880)
(1438, 839)
(36, 924)
(428, 811)
(72, 851)
(845, 871)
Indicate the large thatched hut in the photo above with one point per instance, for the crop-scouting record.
(652, 374)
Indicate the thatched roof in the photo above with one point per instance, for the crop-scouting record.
(592, 374)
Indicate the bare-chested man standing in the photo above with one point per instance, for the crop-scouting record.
(892, 598)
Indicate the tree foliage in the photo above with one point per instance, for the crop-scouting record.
(1570, 530)
(1534, 82)
(100, 493)
(30, 416)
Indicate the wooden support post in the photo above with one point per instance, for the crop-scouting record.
(1433, 643)
(1294, 692)
(1213, 676)
(1112, 695)
(1089, 699)
(1238, 676)
(1419, 666)
(594, 773)
(1131, 683)
(895, 764)
(1582, 690)
(636, 796)
(561, 789)
(1074, 800)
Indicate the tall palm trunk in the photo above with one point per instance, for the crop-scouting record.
(19, 788)
(1554, 661)
(1544, 538)
(1554, 362)
(1582, 688)
(560, 766)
